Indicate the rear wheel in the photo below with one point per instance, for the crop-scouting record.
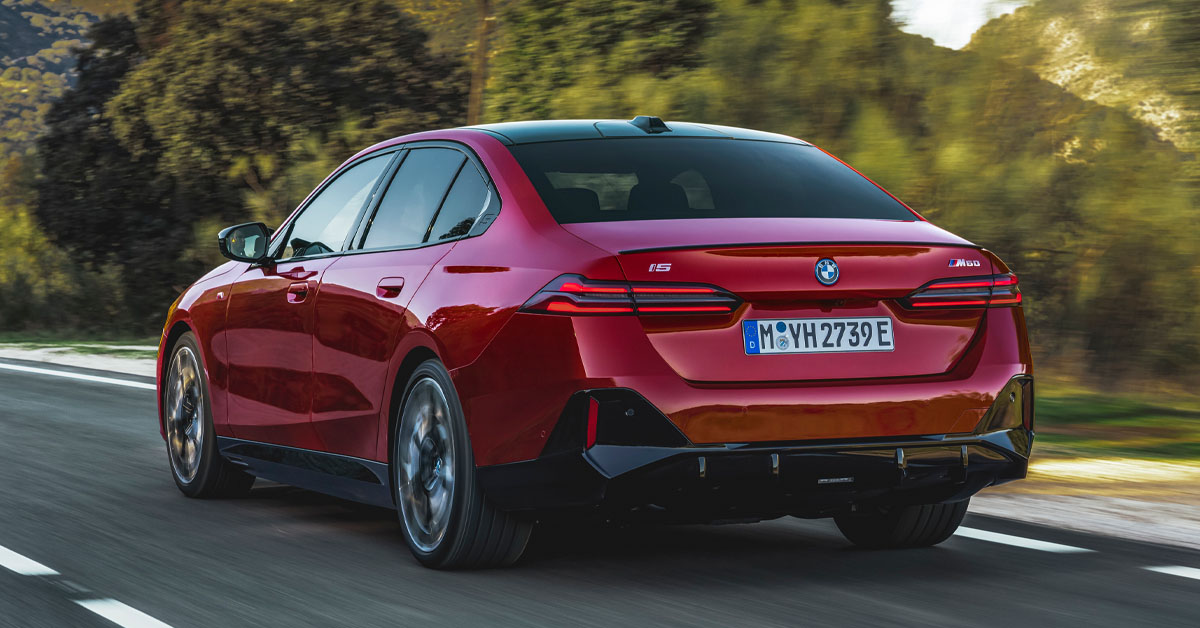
(447, 521)
(903, 526)
(198, 470)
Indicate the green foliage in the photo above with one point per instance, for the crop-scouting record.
(41, 287)
(179, 119)
(36, 43)
(107, 206)
(238, 78)
(311, 159)
(550, 45)
(1064, 138)
(1137, 55)
(95, 7)
(1076, 196)
(1081, 423)
(451, 24)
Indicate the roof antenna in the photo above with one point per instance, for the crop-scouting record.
(650, 124)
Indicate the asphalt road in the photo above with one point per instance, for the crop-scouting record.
(85, 491)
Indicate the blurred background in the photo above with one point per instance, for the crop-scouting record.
(1061, 134)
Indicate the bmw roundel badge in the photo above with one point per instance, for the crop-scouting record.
(827, 271)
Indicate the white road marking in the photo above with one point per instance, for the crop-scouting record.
(17, 563)
(1185, 572)
(121, 614)
(79, 376)
(1018, 541)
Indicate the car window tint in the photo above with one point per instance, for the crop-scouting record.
(696, 189)
(613, 179)
(463, 205)
(412, 198)
(325, 222)
(611, 188)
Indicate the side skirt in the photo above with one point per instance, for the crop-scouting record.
(356, 479)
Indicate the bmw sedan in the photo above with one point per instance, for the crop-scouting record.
(492, 326)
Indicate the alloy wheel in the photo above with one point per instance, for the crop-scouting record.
(185, 412)
(424, 463)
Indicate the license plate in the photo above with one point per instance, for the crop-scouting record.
(818, 335)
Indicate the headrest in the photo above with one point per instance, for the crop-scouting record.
(580, 202)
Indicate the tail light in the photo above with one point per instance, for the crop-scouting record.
(579, 296)
(986, 291)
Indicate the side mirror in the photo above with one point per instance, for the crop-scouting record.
(245, 243)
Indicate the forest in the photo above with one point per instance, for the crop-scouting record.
(1063, 137)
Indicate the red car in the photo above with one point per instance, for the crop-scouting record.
(488, 326)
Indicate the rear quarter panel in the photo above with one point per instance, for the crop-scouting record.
(473, 292)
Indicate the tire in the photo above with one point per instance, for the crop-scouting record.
(446, 520)
(904, 526)
(197, 468)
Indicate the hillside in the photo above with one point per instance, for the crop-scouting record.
(1062, 139)
(36, 42)
(95, 7)
(1066, 189)
(1140, 57)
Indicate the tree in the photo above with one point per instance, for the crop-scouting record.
(479, 61)
(550, 45)
(243, 78)
(1066, 190)
(95, 198)
(462, 29)
(178, 119)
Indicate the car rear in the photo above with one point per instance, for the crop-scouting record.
(785, 338)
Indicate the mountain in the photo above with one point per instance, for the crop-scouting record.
(95, 7)
(36, 43)
(1068, 190)
(1135, 55)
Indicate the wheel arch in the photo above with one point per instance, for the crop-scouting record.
(408, 365)
(170, 338)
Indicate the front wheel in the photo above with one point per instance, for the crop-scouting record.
(903, 526)
(447, 521)
(198, 470)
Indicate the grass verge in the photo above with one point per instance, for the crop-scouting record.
(128, 347)
(1081, 423)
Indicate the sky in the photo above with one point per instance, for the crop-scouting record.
(949, 23)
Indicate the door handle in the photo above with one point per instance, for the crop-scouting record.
(297, 292)
(389, 287)
(297, 273)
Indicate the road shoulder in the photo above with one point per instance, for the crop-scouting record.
(1140, 500)
(65, 356)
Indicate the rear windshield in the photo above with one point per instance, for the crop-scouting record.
(606, 180)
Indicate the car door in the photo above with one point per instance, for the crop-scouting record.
(433, 200)
(270, 313)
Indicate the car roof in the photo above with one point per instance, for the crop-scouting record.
(643, 126)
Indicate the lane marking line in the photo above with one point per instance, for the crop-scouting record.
(1018, 541)
(1183, 572)
(18, 564)
(79, 376)
(121, 614)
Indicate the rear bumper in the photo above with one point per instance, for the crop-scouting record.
(809, 479)
(514, 394)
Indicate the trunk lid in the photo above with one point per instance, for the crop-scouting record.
(770, 264)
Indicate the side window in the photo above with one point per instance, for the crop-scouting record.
(463, 205)
(325, 222)
(412, 198)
